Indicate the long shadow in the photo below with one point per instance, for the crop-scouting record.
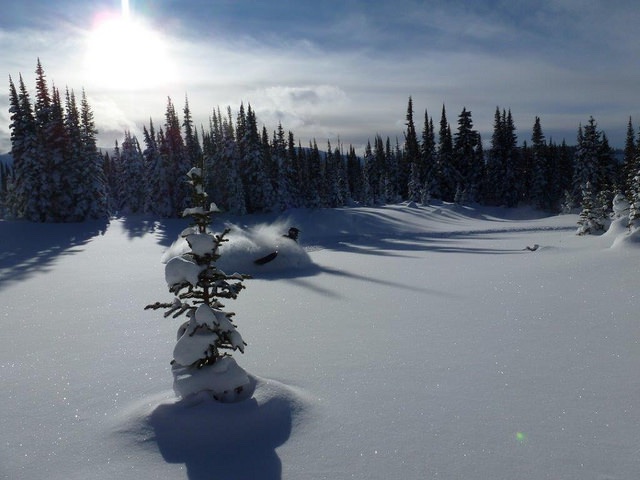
(27, 248)
(224, 441)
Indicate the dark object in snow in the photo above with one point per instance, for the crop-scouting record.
(532, 249)
(266, 258)
(292, 234)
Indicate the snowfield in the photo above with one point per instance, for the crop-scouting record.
(399, 342)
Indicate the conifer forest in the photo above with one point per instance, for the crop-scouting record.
(59, 174)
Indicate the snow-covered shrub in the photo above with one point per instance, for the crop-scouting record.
(620, 206)
(201, 359)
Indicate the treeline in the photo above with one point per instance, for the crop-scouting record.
(60, 175)
(249, 170)
(57, 173)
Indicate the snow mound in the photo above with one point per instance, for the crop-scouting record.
(237, 440)
(627, 239)
(225, 381)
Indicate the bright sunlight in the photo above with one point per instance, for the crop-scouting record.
(125, 53)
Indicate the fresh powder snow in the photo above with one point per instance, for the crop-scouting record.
(411, 342)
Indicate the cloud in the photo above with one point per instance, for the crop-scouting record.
(350, 71)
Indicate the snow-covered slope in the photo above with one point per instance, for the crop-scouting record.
(404, 342)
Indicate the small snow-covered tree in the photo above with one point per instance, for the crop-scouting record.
(205, 339)
(591, 217)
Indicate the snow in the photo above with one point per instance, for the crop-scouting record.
(201, 243)
(392, 342)
(192, 345)
(179, 270)
(225, 381)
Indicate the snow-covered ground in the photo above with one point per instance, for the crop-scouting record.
(404, 343)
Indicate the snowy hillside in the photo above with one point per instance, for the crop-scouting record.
(400, 342)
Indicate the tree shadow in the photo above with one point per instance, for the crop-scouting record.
(27, 248)
(217, 441)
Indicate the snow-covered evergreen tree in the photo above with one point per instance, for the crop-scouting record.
(591, 218)
(586, 158)
(634, 207)
(57, 167)
(176, 159)
(24, 186)
(93, 201)
(133, 189)
(199, 286)
(286, 188)
(449, 177)
(629, 165)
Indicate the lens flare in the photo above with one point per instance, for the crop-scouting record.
(124, 52)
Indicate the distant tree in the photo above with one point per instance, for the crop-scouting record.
(467, 156)
(286, 189)
(176, 158)
(540, 165)
(587, 158)
(368, 170)
(411, 170)
(158, 173)
(629, 166)
(24, 186)
(354, 174)
(449, 177)
(133, 189)
(430, 187)
(57, 167)
(93, 201)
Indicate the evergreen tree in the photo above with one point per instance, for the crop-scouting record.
(629, 167)
(177, 160)
(260, 196)
(335, 174)
(134, 192)
(24, 186)
(586, 160)
(368, 170)
(467, 157)
(496, 169)
(93, 204)
(200, 287)
(157, 171)
(591, 218)
(411, 169)
(449, 175)
(540, 166)
(430, 187)
(354, 174)
(286, 186)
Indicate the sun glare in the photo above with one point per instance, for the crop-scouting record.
(123, 52)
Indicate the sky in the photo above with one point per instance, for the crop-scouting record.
(339, 71)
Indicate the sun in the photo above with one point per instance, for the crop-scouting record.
(122, 52)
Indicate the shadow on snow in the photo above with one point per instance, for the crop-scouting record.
(217, 441)
(28, 248)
